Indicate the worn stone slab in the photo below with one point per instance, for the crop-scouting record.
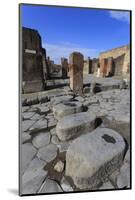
(67, 108)
(26, 124)
(51, 122)
(25, 137)
(118, 122)
(74, 125)
(63, 147)
(47, 153)
(53, 131)
(43, 109)
(27, 154)
(55, 139)
(27, 115)
(36, 116)
(42, 139)
(107, 186)
(50, 186)
(66, 186)
(92, 157)
(127, 156)
(123, 179)
(39, 125)
(33, 177)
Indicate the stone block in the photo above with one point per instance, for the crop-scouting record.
(76, 72)
(71, 126)
(92, 157)
(67, 108)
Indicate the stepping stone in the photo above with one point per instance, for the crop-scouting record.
(42, 139)
(92, 157)
(74, 125)
(47, 153)
(67, 108)
(50, 186)
(27, 154)
(33, 177)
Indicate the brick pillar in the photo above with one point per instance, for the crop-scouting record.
(64, 64)
(103, 67)
(110, 66)
(89, 65)
(76, 72)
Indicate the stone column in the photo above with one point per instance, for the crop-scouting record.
(110, 66)
(64, 64)
(76, 72)
(89, 61)
(103, 67)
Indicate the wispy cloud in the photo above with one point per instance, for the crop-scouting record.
(64, 49)
(120, 15)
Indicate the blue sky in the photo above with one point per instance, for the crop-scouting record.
(64, 30)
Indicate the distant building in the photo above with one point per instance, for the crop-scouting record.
(115, 62)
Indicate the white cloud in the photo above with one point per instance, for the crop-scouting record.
(120, 15)
(64, 49)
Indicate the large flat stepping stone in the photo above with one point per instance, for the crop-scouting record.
(27, 154)
(93, 157)
(50, 186)
(47, 153)
(74, 125)
(67, 108)
(42, 139)
(33, 177)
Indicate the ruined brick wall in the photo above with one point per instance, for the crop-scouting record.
(121, 59)
(114, 53)
(119, 63)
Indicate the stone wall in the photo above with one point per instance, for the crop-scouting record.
(90, 66)
(115, 52)
(32, 61)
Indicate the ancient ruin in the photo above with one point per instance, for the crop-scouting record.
(76, 72)
(75, 128)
